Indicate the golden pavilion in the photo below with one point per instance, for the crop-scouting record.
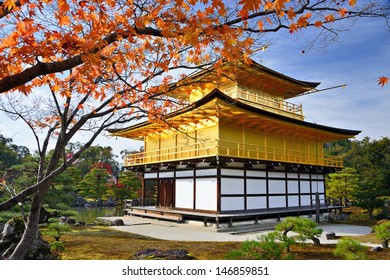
(237, 149)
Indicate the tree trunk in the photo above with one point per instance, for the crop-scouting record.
(286, 231)
(371, 213)
(316, 241)
(31, 231)
(385, 244)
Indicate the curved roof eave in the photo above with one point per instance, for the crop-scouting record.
(221, 96)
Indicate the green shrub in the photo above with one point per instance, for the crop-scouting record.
(271, 246)
(57, 248)
(350, 249)
(303, 227)
(56, 230)
(382, 214)
(382, 231)
(359, 216)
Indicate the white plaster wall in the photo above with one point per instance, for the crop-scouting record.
(276, 186)
(305, 176)
(277, 201)
(232, 186)
(206, 194)
(185, 173)
(166, 174)
(256, 186)
(292, 186)
(292, 175)
(273, 174)
(322, 198)
(150, 175)
(305, 200)
(232, 172)
(317, 176)
(254, 173)
(305, 186)
(184, 194)
(256, 203)
(232, 203)
(293, 200)
(320, 185)
(206, 172)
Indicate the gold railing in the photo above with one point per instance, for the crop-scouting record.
(234, 150)
(267, 103)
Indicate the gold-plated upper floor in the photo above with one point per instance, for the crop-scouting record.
(265, 102)
(233, 150)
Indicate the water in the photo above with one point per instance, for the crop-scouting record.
(89, 214)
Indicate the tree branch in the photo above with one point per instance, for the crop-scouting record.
(5, 11)
(42, 68)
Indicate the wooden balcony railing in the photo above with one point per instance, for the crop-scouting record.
(275, 105)
(234, 150)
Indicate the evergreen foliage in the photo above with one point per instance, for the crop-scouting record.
(341, 186)
(382, 231)
(303, 228)
(268, 247)
(350, 249)
(371, 160)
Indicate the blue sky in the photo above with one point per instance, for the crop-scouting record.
(357, 59)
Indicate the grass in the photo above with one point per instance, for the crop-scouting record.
(103, 243)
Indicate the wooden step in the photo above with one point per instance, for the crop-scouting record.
(156, 214)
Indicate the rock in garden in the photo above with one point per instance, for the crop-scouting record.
(71, 221)
(63, 219)
(330, 235)
(376, 249)
(156, 254)
(10, 237)
(119, 222)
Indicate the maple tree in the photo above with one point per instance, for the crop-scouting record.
(107, 62)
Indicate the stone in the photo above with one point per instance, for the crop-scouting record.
(99, 202)
(156, 254)
(40, 250)
(71, 221)
(338, 217)
(63, 219)
(10, 237)
(78, 200)
(119, 222)
(330, 235)
(110, 203)
(12, 231)
(376, 249)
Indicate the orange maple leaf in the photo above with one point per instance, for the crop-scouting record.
(260, 25)
(329, 18)
(303, 21)
(64, 20)
(293, 28)
(318, 23)
(291, 14)
(343, 12)
(383, 81)
(279, 5)
(250, 5)
(9, 5)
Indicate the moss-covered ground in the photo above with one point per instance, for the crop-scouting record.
(104, 243)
